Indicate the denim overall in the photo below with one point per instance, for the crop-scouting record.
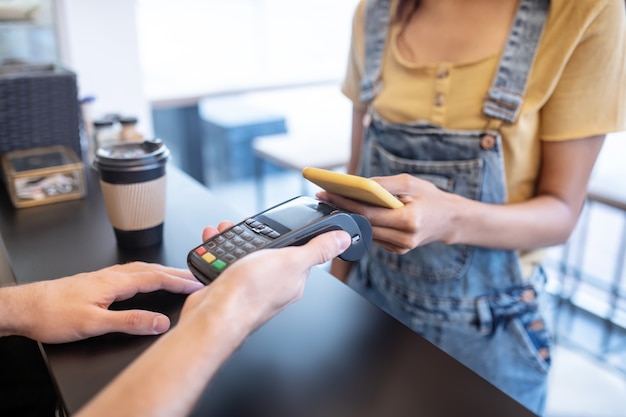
(472, 302)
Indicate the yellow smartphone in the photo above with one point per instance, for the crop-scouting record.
(352, 186)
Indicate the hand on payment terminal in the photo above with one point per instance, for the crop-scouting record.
(291, 223)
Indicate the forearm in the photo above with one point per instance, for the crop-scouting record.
(15, 306)
(169, 377)
(356, 139)
(540, 222)
(544, 220)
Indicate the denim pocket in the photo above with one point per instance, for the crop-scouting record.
(434, 261)
(531, 330)
(463, 177)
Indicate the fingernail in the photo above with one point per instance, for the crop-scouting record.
(345, 241)
(160, 325)
(197, 285)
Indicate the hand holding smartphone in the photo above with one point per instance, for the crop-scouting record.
(352, 186)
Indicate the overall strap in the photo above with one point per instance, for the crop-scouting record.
(506, 94)
(376, 27)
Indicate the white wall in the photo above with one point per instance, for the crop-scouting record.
(98, 41)
(222, 46)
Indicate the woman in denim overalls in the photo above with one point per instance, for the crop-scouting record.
(470, 300)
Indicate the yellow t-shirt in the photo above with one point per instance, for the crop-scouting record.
(577, 87)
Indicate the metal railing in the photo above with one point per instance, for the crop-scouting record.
(588, 281)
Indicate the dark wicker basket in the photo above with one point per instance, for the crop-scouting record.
(38, 107)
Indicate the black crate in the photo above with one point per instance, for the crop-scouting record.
(38, 107)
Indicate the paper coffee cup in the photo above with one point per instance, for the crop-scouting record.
(133, 182)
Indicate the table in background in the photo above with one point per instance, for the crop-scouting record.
(295, 154)
(331, 353)
(229, 125)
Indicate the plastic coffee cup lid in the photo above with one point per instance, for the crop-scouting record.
(132, 155)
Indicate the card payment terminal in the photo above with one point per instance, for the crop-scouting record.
(291, 223)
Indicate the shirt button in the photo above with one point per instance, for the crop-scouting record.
(367, 119)
(440, 99)
(443, 73)
(488, 142)
(528, 296)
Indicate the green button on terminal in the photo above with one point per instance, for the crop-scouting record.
(219, 264)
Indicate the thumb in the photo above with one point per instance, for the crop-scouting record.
(325, 247)
(137, 322)
(391, 184)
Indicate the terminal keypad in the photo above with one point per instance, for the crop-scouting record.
(235, 243)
